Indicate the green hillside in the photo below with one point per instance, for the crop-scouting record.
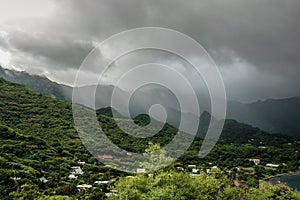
(41, 141)
(39, 147)
(37, 83)
(38, 139)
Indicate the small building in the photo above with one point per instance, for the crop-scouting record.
(195, 171)
(255, 160)
(16, 178)
(84, 186)
(191, 166)
(140, 170)
(72, 176)
(272, 165)
(77, 170)
(43, 180)
(81, 162)
(180, 168)
(101, 182)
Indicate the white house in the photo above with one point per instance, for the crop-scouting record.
(81, 162)
(255, 160)
(101, 182)
(72, 176)
(84, 186)
(272, 165)
(180, 168)
(43, 179)
(16, 178)
(77, 170)
(140, 170)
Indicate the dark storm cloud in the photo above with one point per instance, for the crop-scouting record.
(254, 42)
(56, 51)
(263, 32)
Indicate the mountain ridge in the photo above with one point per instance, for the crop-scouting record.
(271, 115)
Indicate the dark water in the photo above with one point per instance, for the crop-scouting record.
(292, 180)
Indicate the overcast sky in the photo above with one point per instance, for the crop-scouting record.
(256, 44)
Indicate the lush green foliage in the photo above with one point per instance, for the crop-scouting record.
(177, 185)
(38, 139)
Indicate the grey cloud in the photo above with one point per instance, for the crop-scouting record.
(3, 42)
(261, 35)
(56, 51)
(265, 33)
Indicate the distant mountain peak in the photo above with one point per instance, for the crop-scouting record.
(109, 112)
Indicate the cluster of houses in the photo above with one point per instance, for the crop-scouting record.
(257, 162)
(77, 171)
(195, 171)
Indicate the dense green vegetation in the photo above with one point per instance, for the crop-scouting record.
(177, 185)
(38, 139)
(41, 142)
